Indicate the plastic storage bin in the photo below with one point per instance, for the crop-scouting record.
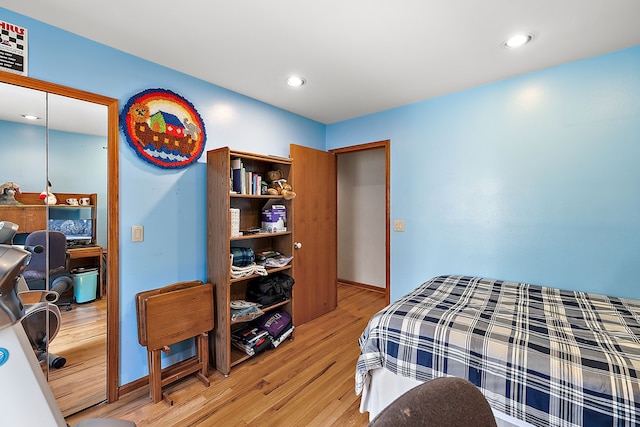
(86, 285)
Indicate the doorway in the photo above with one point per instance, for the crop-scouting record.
(363, 216)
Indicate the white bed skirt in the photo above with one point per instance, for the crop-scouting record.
(383, 387)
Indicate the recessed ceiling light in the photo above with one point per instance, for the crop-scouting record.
(517, 40)
(30, 117)
(295, 81)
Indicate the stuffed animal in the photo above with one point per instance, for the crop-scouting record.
(278, 185)
(48, 197)
(8, 190)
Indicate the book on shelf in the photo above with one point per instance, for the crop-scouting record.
(249, 334)
(244, 181)
(250, 339)
(244, 347)
(236, 175)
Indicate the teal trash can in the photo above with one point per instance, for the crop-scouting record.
(85, 284)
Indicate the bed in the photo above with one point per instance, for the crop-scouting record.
(541, 356)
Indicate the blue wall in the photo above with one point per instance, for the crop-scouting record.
(169, 204)
(532, 179)
(23, 155)
(77, 164)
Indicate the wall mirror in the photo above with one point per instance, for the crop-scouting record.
(71, 146)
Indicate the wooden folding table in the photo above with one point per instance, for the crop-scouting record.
(169, 315)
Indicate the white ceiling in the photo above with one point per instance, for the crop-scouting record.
(56, 112)
(358, 56)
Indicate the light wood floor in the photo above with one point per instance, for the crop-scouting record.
(308, 381)
(82, 340)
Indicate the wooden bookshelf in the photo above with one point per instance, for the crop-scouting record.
(220, 200)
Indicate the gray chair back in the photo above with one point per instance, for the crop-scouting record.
(55, 246)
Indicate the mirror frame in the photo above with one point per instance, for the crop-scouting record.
(113, 226)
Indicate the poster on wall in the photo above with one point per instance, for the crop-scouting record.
(13, 48)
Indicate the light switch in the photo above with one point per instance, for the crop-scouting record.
(398, 225)
(137, 233)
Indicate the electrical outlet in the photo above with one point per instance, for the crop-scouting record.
(137, 233)
(398, 225)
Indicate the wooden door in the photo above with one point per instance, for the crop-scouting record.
(315, 229)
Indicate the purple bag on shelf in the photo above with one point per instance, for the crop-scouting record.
(274, 322)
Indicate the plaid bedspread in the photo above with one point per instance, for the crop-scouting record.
(540, 354)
